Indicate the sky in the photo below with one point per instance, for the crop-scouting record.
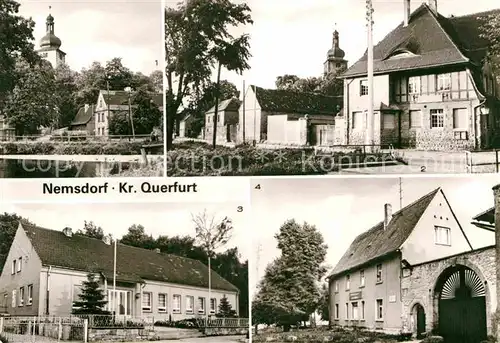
(96, 30)
(343, 208)
(293, 36)
(169, 219)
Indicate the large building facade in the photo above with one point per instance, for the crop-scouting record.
(434, 88)
(45, 269)
(416, 272)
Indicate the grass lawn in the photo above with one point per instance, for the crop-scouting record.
(201, 159)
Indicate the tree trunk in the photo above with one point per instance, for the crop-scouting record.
(170, 126)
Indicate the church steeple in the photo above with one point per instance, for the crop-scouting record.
(50, 44)
(335, 62)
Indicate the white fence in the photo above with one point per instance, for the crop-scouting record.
(44, 329)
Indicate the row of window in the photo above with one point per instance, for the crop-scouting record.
(147, 303)
(101, 118)
(437, 119)
(354, 312)
(210, 118)
(24, 297)
(361, 279)
(442, 82)
(101, 131)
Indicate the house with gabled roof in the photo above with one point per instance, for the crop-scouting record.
(109, 102)
(434, 88)
(288, 117)
(399, 275)
(84, 120)
(45, 268)
(227, 121)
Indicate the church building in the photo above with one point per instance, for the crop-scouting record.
(50, 45)
(335, 63)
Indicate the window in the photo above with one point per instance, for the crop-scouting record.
(442, 235)
(201, 305)
(346, 310)
(437, 118)
(362, 310)
(21, 296)
(336, 311)
(30, 295)
(415, 119)
(389, 121)
(443, 82)
(146, 302)
(348, 282)
(14, 298)
(189, 304)
(162, 303)
(379, 309)
(213, 305)
(414, 85)
(336, 286)
(362, 278)
(208, 119)
(19, 264)
(176, 304)
(218, 118)
(363, 87)
(379, 273)
(14, 267)
(357, 120)
(460, 118)
(355, 314)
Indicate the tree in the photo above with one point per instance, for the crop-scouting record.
(9, 222)
(156, 79)
(91, 299)
(16, 35)
(91, 230)
(33, 102)
(289, 291)
(211, 235)
(326, 85)
(146, 114)
(225, 309)
(137, 237)
(324, 302)
(206, 101)
(490, 31)
(196, 39)
(66, 90)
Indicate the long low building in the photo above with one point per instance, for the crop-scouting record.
(45, 269)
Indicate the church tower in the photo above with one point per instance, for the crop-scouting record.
(335, 62)
(50, 45)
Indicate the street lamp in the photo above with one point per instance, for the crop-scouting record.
(370, 134)
(129, 91)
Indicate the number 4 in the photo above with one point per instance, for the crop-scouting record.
(258, 186)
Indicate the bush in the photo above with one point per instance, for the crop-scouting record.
(70, 148)
(3, 339)
(180, 324)
(433, 339)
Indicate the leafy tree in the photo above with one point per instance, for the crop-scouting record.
(91, 230)
(89, 82)
(16, 36)
(118, 76)
(324, 302)
(327, 85)
(146, 114)
(196, 38)
(289, 291)
(33, 102)
(490, 31)
(9, 222)
(91, 299)
(156, 80)
(119, 124)
(201, 105)
(225, 309)
(66, 90)
(137, 237)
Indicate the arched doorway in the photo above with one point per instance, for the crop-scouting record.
(418, 320)
(462, 306)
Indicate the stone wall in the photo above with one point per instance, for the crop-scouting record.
(225, 331)
(418, 286)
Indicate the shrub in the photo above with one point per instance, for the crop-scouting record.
(70, 148)
(180, 324)
(3, 339)
(433, 339)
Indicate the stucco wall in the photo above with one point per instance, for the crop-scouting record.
(437, 214)
(252, 120)
(388, 290)
(419, 286)
(29, 275)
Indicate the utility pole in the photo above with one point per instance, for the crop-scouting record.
(370, 134)
(244, 114)
(108, 115)
(216, 108)
(129, 91)
(400, 193)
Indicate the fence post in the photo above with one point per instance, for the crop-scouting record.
(59, 329)
(85, 330)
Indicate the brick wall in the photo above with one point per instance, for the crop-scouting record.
(419, 286)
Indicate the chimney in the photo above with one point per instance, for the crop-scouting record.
(68, 232)
(86, 107)
(496, 195)
(387, 215)
(158, 251)
(433, 4)
(407, 12)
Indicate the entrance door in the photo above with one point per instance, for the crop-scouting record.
(120, 302)
(420, 321)
(462, 307)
